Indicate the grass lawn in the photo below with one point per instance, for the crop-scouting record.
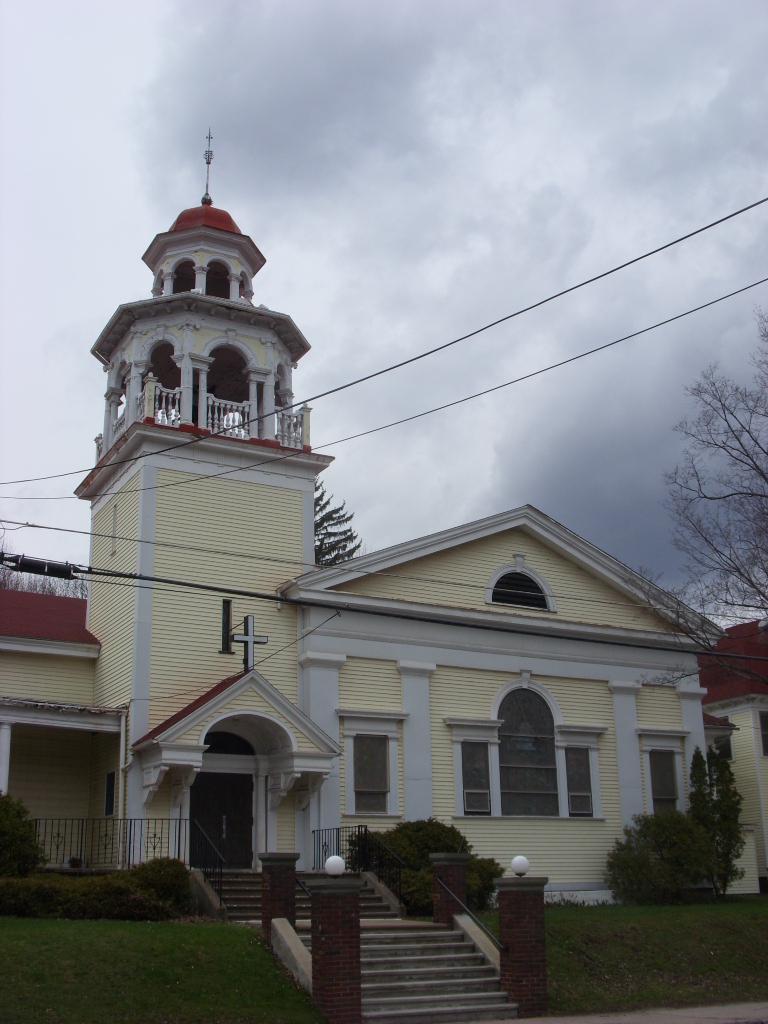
(127, 972)
(625, 958)
(598, 959)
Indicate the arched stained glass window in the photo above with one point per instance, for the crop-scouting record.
(527, 765)
(520, 589)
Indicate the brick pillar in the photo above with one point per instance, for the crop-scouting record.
(523, 961)
(336, 948)
(278, 889)
(452, 869)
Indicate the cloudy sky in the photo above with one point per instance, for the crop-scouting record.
(411, 171)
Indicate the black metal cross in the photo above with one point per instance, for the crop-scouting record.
(249, 639)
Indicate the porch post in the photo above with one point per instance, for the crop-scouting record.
(5, 755)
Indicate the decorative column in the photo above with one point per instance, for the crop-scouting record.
(201, 364)
(201, 276)
(234, 287)
(417, 755)
(133, 392)
(112, 396)
(254, 376)
(690, 694)
(305, 439)
(267, 423)
(278, 889)
(5, 755)
(184, 364)
(451, 869)
(168, 278)
(336, 976)
(522, 961)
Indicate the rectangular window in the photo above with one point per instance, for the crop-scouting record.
(109, 795)
(371, 773)
(723, 747)
(226, 626)
(579, 782)
(476, 778)
(663, 780)
(764, 731)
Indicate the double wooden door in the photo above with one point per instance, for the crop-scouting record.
(222, 804)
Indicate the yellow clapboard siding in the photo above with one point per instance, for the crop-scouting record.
(227, 515)
(658, 707)
(249, 700)
(458, 577)
(50, 771)
(370, 684)
(111, 603)
(286, 824)
(47, 677)
(746, 765)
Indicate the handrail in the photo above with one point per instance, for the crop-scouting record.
(306, 890)
(499, 945)
(212, 867)
(211, 843)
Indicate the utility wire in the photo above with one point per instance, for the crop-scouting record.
(473, 586)
(198, 479)
(432, 351)
(546, 632)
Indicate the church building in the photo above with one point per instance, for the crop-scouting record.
(505, 676)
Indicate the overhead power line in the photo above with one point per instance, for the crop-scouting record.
(67, 570)
(432, 351)
(199, 479)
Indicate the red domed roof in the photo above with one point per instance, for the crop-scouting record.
(207, 216)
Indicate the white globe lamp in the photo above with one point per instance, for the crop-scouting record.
(335, 866)
(520, 865)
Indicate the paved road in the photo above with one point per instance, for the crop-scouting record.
(736, 1013)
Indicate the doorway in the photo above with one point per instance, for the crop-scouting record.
(222, 804)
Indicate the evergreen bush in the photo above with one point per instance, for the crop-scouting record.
(413, 841)
(20, 853)
(660, 858)
(715, 804)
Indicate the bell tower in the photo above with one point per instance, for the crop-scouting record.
(204, 475)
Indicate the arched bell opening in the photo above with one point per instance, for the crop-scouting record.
(217, 280)
(228, 410)
(162, 366)
(184, 277)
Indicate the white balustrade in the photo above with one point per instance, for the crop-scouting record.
(229, 419)
(119, 425)
(289, 429)
(167, 406)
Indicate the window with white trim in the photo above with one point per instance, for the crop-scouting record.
(663, 780)
(579, 782)
(476, 777)
(526, 761)
(371, 749)
(371, 774)
(518, 588)
(527, 764)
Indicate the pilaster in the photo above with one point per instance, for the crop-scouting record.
(627, 749)
(417, 752)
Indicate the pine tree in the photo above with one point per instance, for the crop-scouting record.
(715, 803)
(335, 540)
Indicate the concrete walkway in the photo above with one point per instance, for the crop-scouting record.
(735, 1013)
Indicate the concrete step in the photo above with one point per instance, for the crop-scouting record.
(441, 1015)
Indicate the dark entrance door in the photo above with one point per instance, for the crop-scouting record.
(222, 804)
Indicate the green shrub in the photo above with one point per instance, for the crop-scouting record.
(413, 841)
(165, 879)
(110, 896)
(660, 857)
(715, 803)
(20, 852)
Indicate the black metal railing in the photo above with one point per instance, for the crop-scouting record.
(204, 855)
(110, 842)
(361, 850)
(500, 946)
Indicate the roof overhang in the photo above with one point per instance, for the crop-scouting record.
(61, 716)
(229, 311)
(204, 237)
